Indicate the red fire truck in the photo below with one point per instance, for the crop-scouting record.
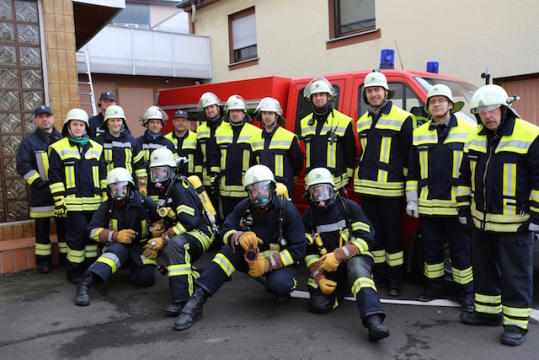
(411, 93)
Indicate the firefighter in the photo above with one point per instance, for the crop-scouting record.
(498, 199)
(185, 142)
(188, 235)
(106, 99)
(77, 179)
(276, 147)
(328, 134)
(212, 110)
(339, 237)
(385, 135)
(263, 236)
(233, 153)
(122, 224)
(431, 186)
(33, 166)
(120, 148)
(153, 120)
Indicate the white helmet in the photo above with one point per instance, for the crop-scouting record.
(376, 78)
(443, 90)
(75, 114)
(259, 183)
(236, 102)
(118, 180)
(162, 165)
(319, 85)
(113, 112)
(153, 113)
(488, 98)
(320, 188)
(207, 99)
(270, 104)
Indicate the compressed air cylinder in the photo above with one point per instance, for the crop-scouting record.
(203, 195)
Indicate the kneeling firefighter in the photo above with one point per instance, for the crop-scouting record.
(122, 224)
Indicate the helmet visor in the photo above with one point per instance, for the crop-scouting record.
(160, 174)
(321, 192)
(260, 193)
(119, 190)
(482, 109)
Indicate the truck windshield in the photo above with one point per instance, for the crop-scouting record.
(461, 92)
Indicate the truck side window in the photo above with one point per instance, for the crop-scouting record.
(405, 98)
(304, 107)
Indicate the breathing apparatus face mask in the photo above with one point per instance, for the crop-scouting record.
(160, 174)
(260, 194)
(119, 191)
(321, 195)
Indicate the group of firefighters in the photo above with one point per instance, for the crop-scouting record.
(120, 202)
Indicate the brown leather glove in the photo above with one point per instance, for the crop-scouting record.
(126, 236)
(141, 185)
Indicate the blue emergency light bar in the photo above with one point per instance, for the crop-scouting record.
(387, 59)
(432, 67)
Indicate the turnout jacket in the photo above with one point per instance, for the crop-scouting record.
(185, 147)
(233, 156)
(206, 145)
(281, 153)
(499, 177)
(33, 165)
(123, 151)
(386, 141)
(77, 174)
(330, 143)
(266, 227)
(434, 165)
(332, 226)
(138, 214)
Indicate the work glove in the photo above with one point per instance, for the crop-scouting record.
(258, 268)
(158, 228)
(151, 249)
(104, 196)
(326, 286)
(249, 240)
(60, 209)
(331, 261)
(126, 236)
(411, 209)
(141, 185)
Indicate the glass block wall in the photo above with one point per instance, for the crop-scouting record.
(21, 91)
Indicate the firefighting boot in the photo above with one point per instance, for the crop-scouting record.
(513, 336)
(192, 311)
(377, 331)
(83, 298)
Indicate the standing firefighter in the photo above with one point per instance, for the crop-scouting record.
(276, 147)
(188, 235)
(185, 142)
(339, 237)
(77, 179)
(431, 189)
(122, 224)
(328, 134)
(33, 166)
(498, 198)
(263, 236)
(385, 135)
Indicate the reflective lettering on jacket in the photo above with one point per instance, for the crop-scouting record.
(381, 170)
(434, 167)
(499, 177)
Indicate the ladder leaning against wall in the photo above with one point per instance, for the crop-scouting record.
(86, 88)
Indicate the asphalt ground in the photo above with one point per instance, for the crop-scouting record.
(39, 320)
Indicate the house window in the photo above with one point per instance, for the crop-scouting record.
(135, 16)
(351, 17)
(242, 36)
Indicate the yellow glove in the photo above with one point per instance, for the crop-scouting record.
(126, 236)
(158, 229)
(258, 268)
(141, 185)
(105, 196)
(327, 286)
(151, 249)
(60, 209)
(329, 262)
(249, 240)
